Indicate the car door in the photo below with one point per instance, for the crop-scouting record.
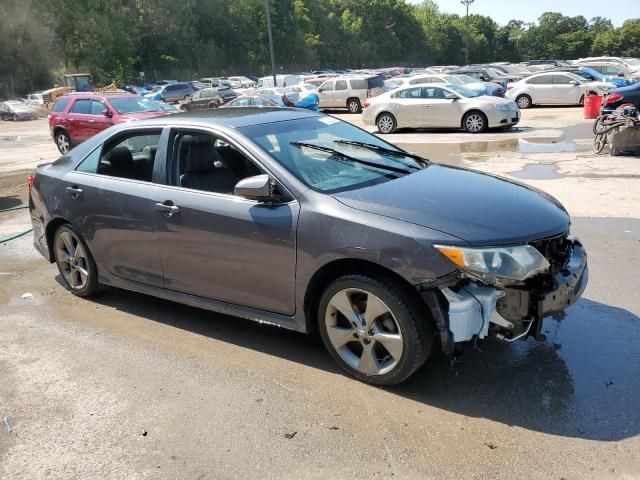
(409, 107)
(109, 200)
(214, 244)
(325, 94)
(440, 111)
(566, 90)
(78, 118)
(340, 93)
(542, 89)
(97, 121)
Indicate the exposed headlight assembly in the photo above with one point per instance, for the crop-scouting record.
(497, 264)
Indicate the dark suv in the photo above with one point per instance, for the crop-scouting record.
(208, 98)
(76, 117)
(173, 92)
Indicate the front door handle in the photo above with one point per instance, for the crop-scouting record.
(167, 208)
(74, 191)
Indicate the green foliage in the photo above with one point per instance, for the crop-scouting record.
(115, 39)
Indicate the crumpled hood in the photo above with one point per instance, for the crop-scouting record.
(478, 208)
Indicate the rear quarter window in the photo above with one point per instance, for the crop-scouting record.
(376, 82)
(60, 105)
(358, 84)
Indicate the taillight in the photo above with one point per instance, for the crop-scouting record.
(366, 104)
(509, 87)
(368, 93)
(30, 180)
(613, 98)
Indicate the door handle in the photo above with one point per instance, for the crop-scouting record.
(74, 191)
(91, 121)
(427, 106)
(167, 208)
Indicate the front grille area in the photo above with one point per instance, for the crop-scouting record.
(557, 251)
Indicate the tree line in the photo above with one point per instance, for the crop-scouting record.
(115, 40)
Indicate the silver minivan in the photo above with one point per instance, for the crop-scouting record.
(350, 92)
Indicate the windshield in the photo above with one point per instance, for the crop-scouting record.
(453, 79)
(465, 79)
(326, 171)
(133, 105)
(495, 73)
(465, 92)
(575, 77)
(156, 90)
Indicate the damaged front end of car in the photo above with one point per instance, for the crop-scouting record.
(505, 291)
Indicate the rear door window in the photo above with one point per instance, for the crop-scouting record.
(410, 93)
(131, 157)
(82, 106)
(341, 84)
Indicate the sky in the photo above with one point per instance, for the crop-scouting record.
(529, 10)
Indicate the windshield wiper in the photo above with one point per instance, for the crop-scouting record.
(388, 151)
(344, 156)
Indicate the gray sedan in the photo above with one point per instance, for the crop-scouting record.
(300, 220)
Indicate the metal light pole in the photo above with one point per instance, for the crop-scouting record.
(466, 3)
(273, 56)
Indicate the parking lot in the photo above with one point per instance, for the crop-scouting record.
(130, 386)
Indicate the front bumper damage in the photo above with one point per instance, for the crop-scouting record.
(465, 309)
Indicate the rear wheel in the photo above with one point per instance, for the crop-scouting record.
(75, 262)
(353, 105)
(14, 117)
(581, 101)
(63, 142)
(373, 329)
(524, 101)
(475, 122)
(386, 123)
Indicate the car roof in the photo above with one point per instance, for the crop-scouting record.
(233, 117)
(103, 96)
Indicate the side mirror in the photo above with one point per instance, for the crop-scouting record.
(107, 113)
(574, 82)
(451, 96)
(257, 188)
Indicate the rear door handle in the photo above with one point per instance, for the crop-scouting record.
(74, 191)
(167, 208)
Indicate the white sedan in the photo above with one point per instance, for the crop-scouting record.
(439, 106)
(554, 88)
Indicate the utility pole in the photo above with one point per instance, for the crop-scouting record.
(466, 3)
(273, 56)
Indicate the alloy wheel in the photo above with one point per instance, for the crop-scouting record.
(524, 102)
(63, 143)
(474, 123)
(72, 260)
(354, 106)
(363, 330)
(385, 124)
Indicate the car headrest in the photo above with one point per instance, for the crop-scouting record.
(200, 158)
(120, 156)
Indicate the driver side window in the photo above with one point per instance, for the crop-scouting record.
(207, 163)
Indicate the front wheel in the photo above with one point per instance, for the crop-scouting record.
(475, 122)
(373, 329)
(386, 123)
(524, 102)
(75, 263)
(14, 117)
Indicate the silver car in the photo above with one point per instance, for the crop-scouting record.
(350, 92)
(437, 105)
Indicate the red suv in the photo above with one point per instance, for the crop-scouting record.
(76, 117)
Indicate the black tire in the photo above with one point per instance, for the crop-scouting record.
(63, 142)
(411, 318)
(353, 105)
(581, 101)
(524, 102)
(14, 117)
(475, 122)
(90, 286)
(386, 123)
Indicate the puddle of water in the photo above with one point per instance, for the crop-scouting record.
(537, 171)
(534, 146)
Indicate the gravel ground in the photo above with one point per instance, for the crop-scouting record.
(129, 386)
